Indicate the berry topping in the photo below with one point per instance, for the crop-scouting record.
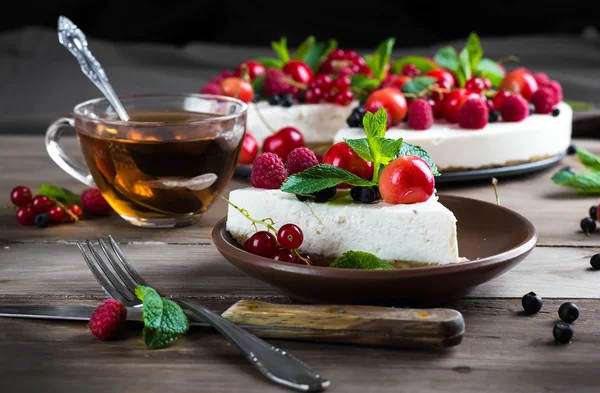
(41, 220)
(520, 81)
(290, 236)
(555, 112)
(475, 85)
(454, 100)
(325, 194)
(420, 115)
(499, 98)
(284, 255)
(274, 100)
(93, 202)
(236, 87)
(76, 210)
(595, 261)
(588, 225)
(41, 204)
(514, 108)
(25, 215)
(541, 78)
(562, 332)
(108, 320)
(557, 88)
(262, 243)
(473, 115)
(211, 88)
(255, 69)
(407, 179)
(594, 212)
(364, 194)
(543, 100)
(531, 108)
(287, 100)
(249, 150)
(299, 71)
(442, 75)
(493, 116)
(56, 214)
(342, 156)
(531, 302)
(299, 159)
(274, 82)
(396, 81)
(568, 312)
(283, 142)
(21, 196)
(267, 171)
(411, 70)
(356, 117)
(392, 100)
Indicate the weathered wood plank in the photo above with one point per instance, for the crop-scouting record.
(200, 271)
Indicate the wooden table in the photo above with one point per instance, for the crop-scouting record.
(503, 350)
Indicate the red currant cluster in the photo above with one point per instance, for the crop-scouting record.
(324, 88)
(283, 247)
(344, 62)
(41, 210)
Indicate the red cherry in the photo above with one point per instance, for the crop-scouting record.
(283, 142)
(411, 70)
(520, 81)
(475, 85)
(407, 179)
(299, 71)
(307, 257)
(56, 214)
(41, 204)
(249, 150)
(454, 100)
(442, 75)
(284, 255)
(232, 85)
(290, 236)
(261, 243)
(76, 210)
(255, 69)
(499, 98)
(393, 100)
(20, 196)
(25, 215)
(342, 156)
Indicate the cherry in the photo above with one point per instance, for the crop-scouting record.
(475, 85)
(76, 210)
(520, 81)
(261, 243)
(342, 156)
(25, 215)
(393, 101)
(234, 85)
(290, 236)
(453, 101)
(298, 71)
(411, 70)
(20, 196)
(41, 204)
(56, 214)
(499, 98)
(442, 75)
(437, 98)
(284, 255)
(249, 150)
(255, 69)
(407, 179)
(283, 142)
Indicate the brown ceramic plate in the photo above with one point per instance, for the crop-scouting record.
(492, 237)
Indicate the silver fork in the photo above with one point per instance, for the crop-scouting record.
(119, 279)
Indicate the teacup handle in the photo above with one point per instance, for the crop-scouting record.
(58, 154)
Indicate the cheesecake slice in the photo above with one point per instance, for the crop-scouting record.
(408, 235)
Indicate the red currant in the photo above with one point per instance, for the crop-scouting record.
(328, 96)
(284, 255)
(290, 236)
(490, 104)
(261, 243)
(56, 214)
(337, 53)
(442, 75)
(342, 83)
(487, 84)
(342, 156)
(313, 95)
(41, 204)
(20, 196)
(299, 71)
(249, 150)
(411, 70)
(407, 179)
(283, 142)
(255, 69)
(393, 100)
(306, 257)
(344, 97)
(323, 81)
(25, 215)
(76, 210)
(234, 85)
(475, 85)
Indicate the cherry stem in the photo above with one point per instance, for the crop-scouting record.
(69, 212)
(263, 119)
(268, 222)
(243, 77)
(507, 58)
(495, 184)
(297, 253)
(11, 207)
(290, 81)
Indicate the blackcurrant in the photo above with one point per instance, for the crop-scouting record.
(531, 109)
(572, 149)
(568, 312)
(275, 99)
(588, 225)
(555, 112)
(594, 212)
(41, 220)
(354, 121)
(595, 261)
(363, 194)
(302, 198)
(532, 303)
(325, 194)
(562, 332)
(287, 100)
(493, 116)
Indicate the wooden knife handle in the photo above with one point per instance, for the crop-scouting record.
(398, 327)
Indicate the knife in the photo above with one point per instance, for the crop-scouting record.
(352, 324)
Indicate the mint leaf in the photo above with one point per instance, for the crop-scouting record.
(164, 320)
(270, 62)
(447, 58)
(362, 81)
(418, 84)
(465, 66)
(258, 83)
(474, 49)
(280, 47)
(562, 176)
(303, 48)
(588, 159)
(422, 63)
(488, 68)
(587, 183)
(411, 150)
(375, 124)
(381, 58)
(60, 194)
(317, 54)
(320, 177)
(360, 260)
(360, 147)
(388, 148)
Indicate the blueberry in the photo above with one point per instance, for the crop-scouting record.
(568, 312)
(531, 109)
(287, 100)
(493, 116)
(555, 112)
(325, 194)
(362, 103)
(588, 225)
(594, 212)
(359, 110)
(562, 332)
(532, 303)
(354, 120)
(275, 99)
(302, 198)
(595, 261)
(364, 194)
(571, 150)
(300, 96)
(41, 220)
(377, 193)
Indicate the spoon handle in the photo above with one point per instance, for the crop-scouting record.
(72, 38)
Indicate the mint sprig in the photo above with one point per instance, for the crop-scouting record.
(418, 84)
(60, 194)
(320, 177)
(310, 51)
(360, 260)
(164, 320)
(280, 47)
(585, 182)
(379, 60)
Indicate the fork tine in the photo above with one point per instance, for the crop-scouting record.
(117, 284)
(118, 267)
(130, 269)
(106, 285)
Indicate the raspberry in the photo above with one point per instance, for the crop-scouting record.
(514, 108)
(473, 114)
(211, 88)
(543, 100)
(420, 115)
(558, 93)
(299, 159)
(267, 171)
(108, 319)
(273, 84)
(541, 78)
(93, 202)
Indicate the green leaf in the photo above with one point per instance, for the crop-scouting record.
(362, 81)
(382, 57)
(588, 159)
(371, 62)
(258, 83)
(280, 47)
(375, 124)
(488, 68)
(360, 260)
(164, 320)
(360, 147)
(422, 63)
(580, 105)
(447, 58)
(270, 62)
(465, 65)
(412, 150)
(317, 54)
(60, 194)
(418, 84)
(474, 49)
(562, 176)
(587, 183)
(303, 48)
(320, 177)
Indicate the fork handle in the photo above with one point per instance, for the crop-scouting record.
(276, 364)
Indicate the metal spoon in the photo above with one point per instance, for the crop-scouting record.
(72, 38)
